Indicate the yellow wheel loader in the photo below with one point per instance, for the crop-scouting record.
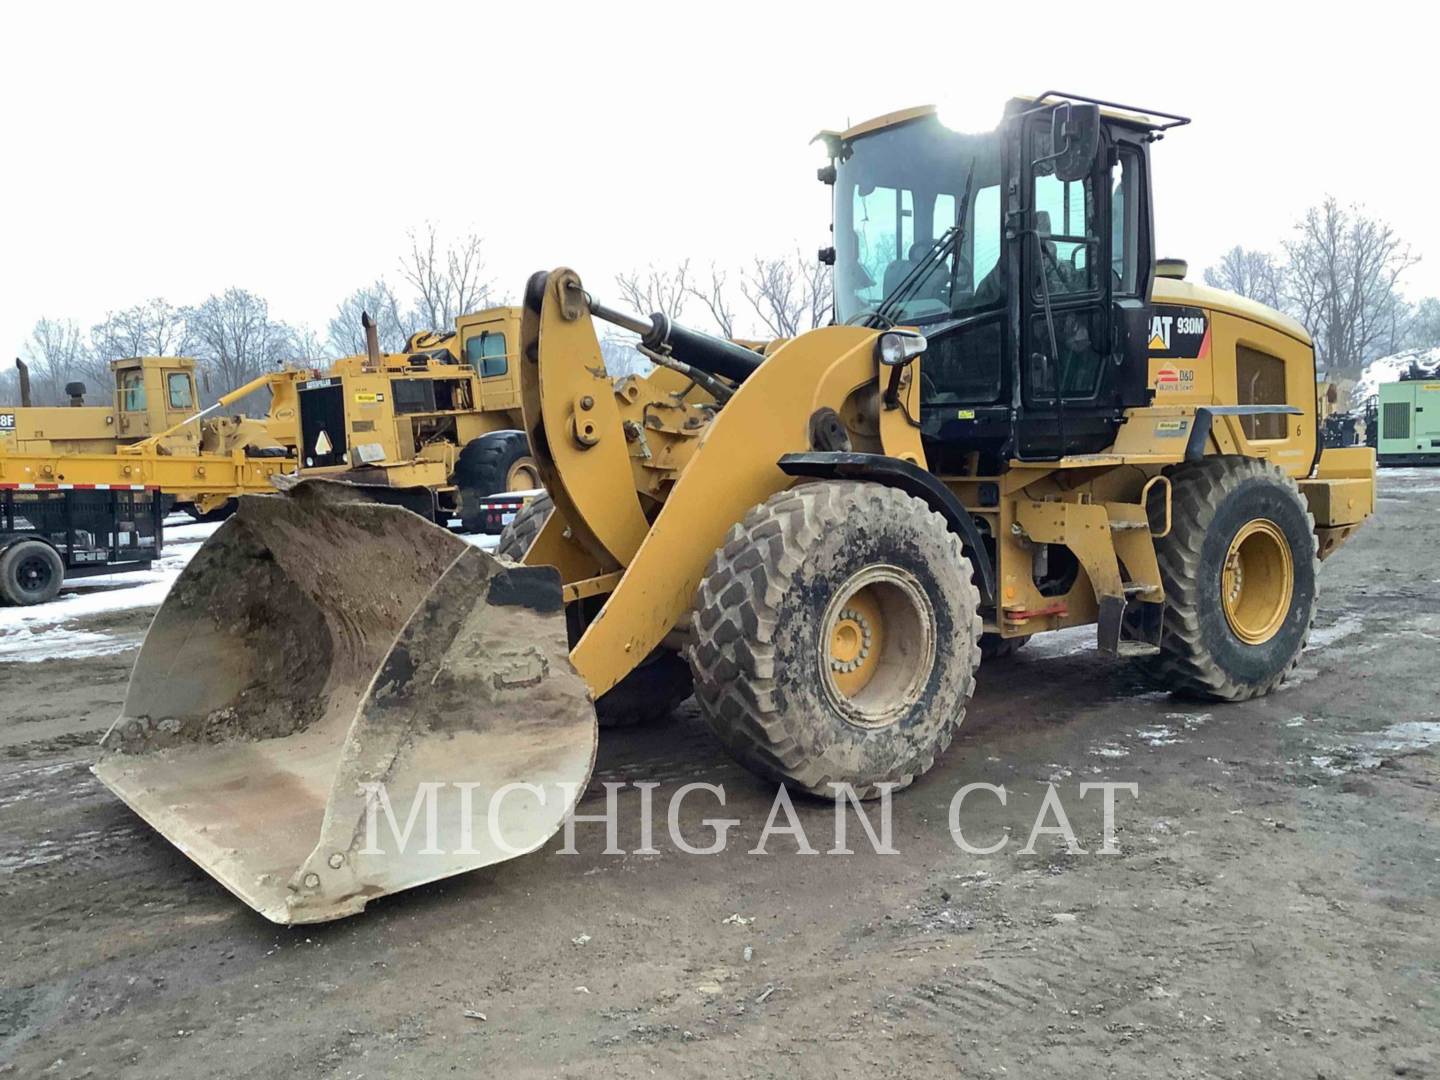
(437, 426)
(1015, 425)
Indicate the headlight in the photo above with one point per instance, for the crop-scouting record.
(898, 347)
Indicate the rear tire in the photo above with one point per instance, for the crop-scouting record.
(497, 461)
(836, 637)
(1230, 635)
(31, 572)
(516, 538)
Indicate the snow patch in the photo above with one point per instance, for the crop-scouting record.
(1409, 735)
(1322, 636)
(1068, 642)
(1389, 369)
(29, 646)
(1157, 736)
(1108, 751)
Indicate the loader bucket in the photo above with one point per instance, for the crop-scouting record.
(339, 700)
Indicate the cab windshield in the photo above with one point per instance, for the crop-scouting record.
(899, 193)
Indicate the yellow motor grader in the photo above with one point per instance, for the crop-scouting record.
(1014, 425)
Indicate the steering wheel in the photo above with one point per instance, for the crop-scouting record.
(928, 390)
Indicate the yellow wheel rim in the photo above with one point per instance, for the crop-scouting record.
(523, 475)
(877, 645)
(1258, 581)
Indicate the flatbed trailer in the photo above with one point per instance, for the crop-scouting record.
(68, 515)
(206, 480)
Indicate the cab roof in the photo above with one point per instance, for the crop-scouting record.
(1144, 118)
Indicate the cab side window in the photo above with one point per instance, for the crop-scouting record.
(1065, 220)
(485, 352)
(1125, 223)
(177, 385)
(132, 391)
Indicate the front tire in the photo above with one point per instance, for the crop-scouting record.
(649, 693)
(31, 572)
(836, 637)
(1240, 572)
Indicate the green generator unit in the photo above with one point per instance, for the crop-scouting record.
(1409, 423)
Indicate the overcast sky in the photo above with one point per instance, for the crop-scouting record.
(174, 150)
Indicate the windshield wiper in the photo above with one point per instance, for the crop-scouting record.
(950, 239)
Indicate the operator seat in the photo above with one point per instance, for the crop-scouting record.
(896, 272)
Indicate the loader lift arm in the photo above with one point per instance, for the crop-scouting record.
(578, 436)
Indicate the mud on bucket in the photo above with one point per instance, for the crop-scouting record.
(339, 700)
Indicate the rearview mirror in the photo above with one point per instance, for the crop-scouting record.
(1075, 139)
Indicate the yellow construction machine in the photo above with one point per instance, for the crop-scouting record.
(1021, 420)
(154, 401)
(437, 425)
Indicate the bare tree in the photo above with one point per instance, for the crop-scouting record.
(346, 336)
(790, 294)
(235, 341)
(9, 385)
(449, 280)
(1341, 281)
(717, 301)
(153, 328)
(306, 345)
(1422, 327)
(622, 358)
(1247, 272)
(650, 290)
(57, 355)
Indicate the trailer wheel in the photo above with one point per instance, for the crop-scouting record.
(516, 538)
(837, 637)
(1239, 568)
(497, 461)
(30, 573)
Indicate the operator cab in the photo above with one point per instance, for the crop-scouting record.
(1024, 254)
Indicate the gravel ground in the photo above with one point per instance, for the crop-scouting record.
(1270, 912)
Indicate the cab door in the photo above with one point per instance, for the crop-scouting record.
(487, 349)
(1068, 353)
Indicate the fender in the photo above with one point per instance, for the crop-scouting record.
(914, 481)
(1205, 420)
